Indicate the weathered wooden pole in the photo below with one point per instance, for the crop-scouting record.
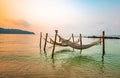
(81, 39)
(56, 31)
(45, 42)
(40, 39)
(73, 39)
(80, 42)
(103, 50)
(103, 43)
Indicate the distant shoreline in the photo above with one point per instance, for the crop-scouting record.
(14, 31)
(106, 37)
(14, 34)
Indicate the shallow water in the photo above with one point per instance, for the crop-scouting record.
(21, 57)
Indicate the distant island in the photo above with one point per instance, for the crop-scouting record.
(106, 37)
(14, 31)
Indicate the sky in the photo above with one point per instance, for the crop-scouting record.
(88, 17)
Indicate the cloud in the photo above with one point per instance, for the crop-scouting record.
(17, 22)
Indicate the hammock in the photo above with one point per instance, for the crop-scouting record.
(60, 43)
(63, 39)
(77, 46)
(57, 43)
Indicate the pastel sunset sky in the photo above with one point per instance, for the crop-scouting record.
(89, 17)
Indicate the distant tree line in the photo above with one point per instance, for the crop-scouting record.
(106, 37)
(14, 31)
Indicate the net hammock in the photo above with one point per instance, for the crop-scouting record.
(78, 46)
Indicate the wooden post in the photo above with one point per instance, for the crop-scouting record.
(81, 39)
(56, 31)
(103, 43)
(103, 49)
(73, 39)
(45, 42)
(40, 39)
(80, 42)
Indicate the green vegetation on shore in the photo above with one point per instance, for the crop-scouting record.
(14, 31)
(106, 37)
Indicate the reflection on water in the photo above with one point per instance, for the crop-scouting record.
(80, 64)
(21, 56)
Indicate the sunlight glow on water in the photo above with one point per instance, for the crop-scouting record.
(20, 56)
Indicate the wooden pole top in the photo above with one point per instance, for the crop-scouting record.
(56, 31)
(103, 32)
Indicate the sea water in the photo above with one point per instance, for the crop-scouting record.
(21, 57)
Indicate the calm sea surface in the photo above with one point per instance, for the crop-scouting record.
(21, 57)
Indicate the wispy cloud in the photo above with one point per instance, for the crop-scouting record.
(17, 22)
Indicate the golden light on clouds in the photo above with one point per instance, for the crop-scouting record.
(45, 11)
(58, 14)
(37, 12)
